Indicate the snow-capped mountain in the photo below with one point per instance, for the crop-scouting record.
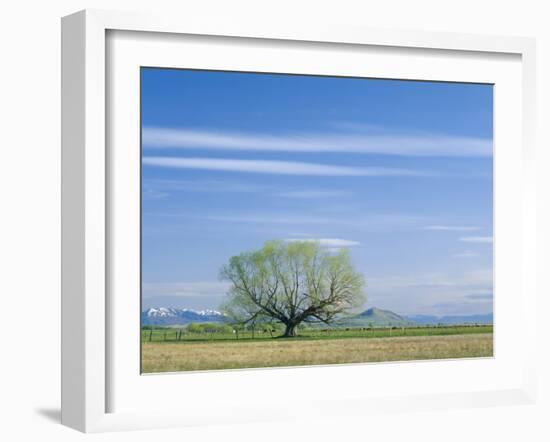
(181, 316)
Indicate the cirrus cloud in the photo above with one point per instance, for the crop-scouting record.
(445, 228)
(277, 167)
(477, 239)
(387, 143)
(332, 243)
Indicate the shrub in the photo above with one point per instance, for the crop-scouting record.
(209, 327)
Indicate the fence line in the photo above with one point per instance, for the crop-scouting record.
(181, 334)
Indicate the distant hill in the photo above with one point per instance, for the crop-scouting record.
(376, 317)
(433, 320)
(175, 316)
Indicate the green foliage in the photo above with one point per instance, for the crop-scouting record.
(208, 327)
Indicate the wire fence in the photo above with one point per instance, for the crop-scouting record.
(175, 334)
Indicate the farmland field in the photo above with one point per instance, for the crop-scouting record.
(165, 353)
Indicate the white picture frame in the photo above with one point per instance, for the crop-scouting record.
(87, 353)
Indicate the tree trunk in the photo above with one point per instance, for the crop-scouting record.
(290, 331)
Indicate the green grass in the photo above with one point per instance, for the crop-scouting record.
(175, 335)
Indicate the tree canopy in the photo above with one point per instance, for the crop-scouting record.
(292, 283)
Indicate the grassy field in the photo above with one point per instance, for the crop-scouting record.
(315, 348)
(167, 334)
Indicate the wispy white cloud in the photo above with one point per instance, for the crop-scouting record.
(356, 142)
(445, 228)
(270, 219)
(465, 254)
(434, 293)
(487, 296)
(477, 239)
(179, 185)
(155, 188)
(154, 194)
(185, 289)
(277, 167)
(313, 194)
(472, 280)
(331, 243)
(465, 307)
(365, 222)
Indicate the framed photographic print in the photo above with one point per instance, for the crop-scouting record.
(302, 220)
(250, 210)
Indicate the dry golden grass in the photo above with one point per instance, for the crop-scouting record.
(163, 357)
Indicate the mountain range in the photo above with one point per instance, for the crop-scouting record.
(164, 316)
(471, 319)
(179, 316)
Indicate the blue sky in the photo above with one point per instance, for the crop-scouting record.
(399, 172)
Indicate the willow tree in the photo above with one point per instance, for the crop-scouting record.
(291, 283)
